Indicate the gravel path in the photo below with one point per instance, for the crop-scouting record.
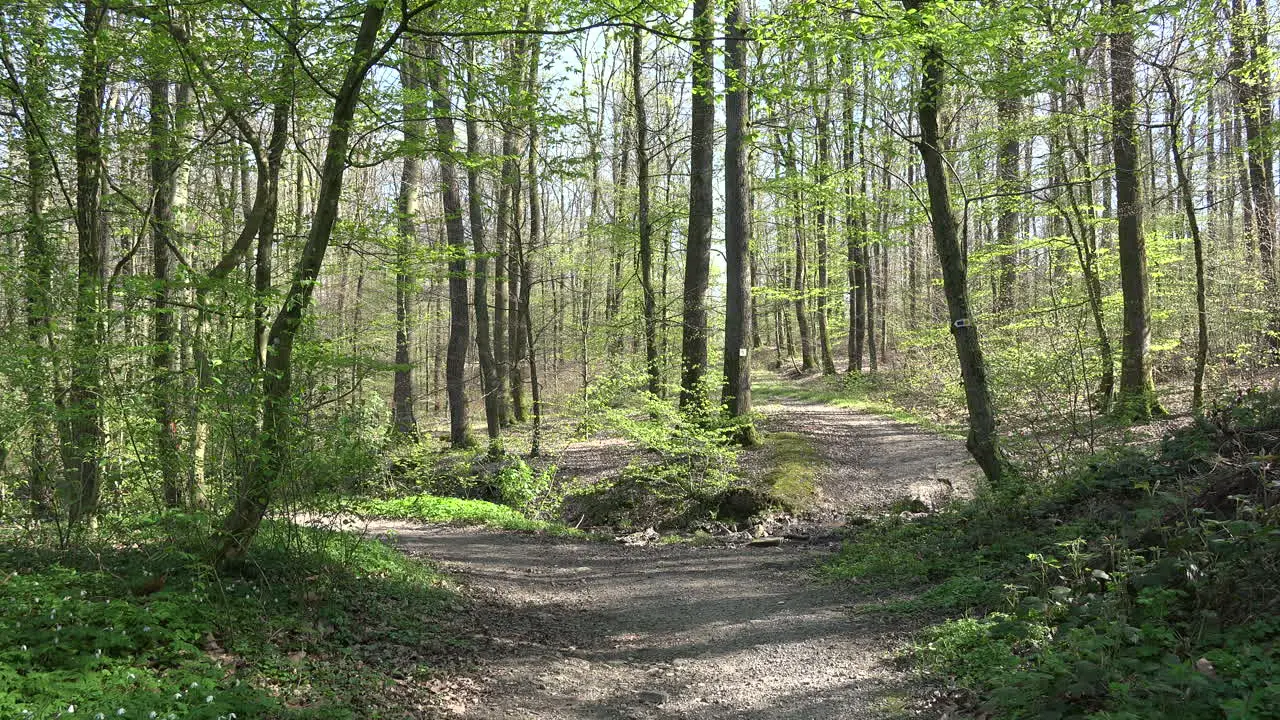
(574, 630)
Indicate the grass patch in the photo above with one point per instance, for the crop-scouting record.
(852, 394)
(321, 625)
(793, 478)
(456, 511)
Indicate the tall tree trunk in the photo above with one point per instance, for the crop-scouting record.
(404, 420)
(455, 362)
(855, 205)
(693, 346)
(1086, 242)
(1253, 90)
(1008, 112)
(1137, 396)
(527, 249)
(652, 371)
(86, 434)
(39, 259)
(254, 493)
(475, 206)
(504, 268)
(737, 227)
(822, 111)
(982, 442)
(1188, 204)
(163, 165)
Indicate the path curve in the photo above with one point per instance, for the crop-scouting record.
(576, 630)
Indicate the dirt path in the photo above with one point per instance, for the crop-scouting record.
(577, 630)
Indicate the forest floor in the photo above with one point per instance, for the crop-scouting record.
(575, 629)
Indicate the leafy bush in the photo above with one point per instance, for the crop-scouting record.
(162, 636)
(1146, 587)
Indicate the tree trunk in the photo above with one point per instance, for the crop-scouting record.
(982, 442)
(693, 346)
(527, 249)
(652, 371)
(1188, 204)
(455, 362)
(475, 206)
(1008, 112)
(737, 228)
(163, 166)
(254, 493)
(503, 268)
(855, 205)
(86, 434)
(1137, 397)
(822, 113)
(1253, 90)
(404, 421)
(39, 258)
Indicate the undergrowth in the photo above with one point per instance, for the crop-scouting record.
(134, 623)
(1145, 585)
(454, 511)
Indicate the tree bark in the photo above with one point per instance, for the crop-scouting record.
(527, 249)
(645, 225)
(39, 259)
(404, 420)
(982, 442)
(1188, 203)
(455, 362)
(693, 346)
(737, 228)
(163, 165)
(84, 398)
(1008, 113)
(822, 113)
(254, 493)
(855, 226)
(475, 207)
(1253, 91)
(1137, 398)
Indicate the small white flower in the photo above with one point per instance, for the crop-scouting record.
(24, 648)
(119, 711)
(132, 676)
(71, 709)
(146, 628)
(208, 698)
(97, 653)
(99, 716)
(152, 714)
(83, 593)
(195, 684)
(177, 696)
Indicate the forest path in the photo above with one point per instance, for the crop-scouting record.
(576, 630)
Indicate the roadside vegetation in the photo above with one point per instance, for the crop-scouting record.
(1142, 582)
